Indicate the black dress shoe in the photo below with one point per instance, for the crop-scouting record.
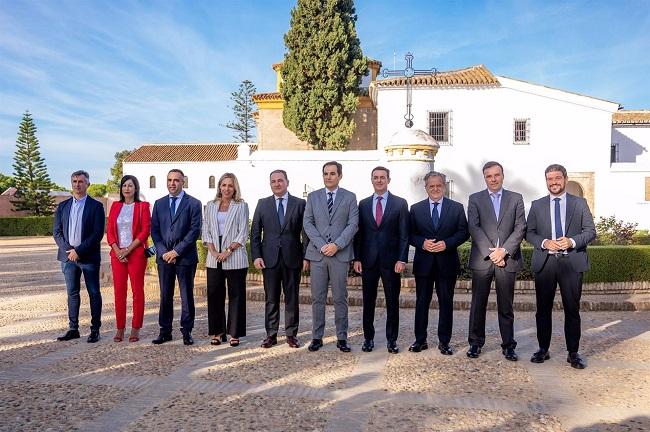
(445, 349)
(392, 347)
(417, 347)
(162, 338)
(474, 351)
(69, 335)
(540, 356)
(576, 361)
(187, 339)
(368, 345)
(510, 354)
(342, 344)
(315, 345)
(269, 341)
(93, 337)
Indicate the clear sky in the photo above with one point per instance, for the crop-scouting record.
(101, 76)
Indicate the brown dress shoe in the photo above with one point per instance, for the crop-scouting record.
(269, 342)
(293, 342)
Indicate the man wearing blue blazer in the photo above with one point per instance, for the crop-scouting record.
(78, 231)
(381, 251)
(560, 226)
(175, 228)
(437, 227)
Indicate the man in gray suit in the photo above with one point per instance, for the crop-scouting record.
(331, 220)
(560, 227)
(497, 224)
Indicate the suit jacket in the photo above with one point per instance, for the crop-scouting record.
(235, 231)
(485, 229)
(268, 237)
(140, 229)
(341, 226)
(579, 227)
(92, 231)
(387, 243)
(179, 234)
(452, 228)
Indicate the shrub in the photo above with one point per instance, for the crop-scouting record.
(641, 237)
(26, 226)
(612, 231)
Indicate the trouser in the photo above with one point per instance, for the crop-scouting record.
(167, 275)
(558, 271)
(72, 272)
(218, 280)
(329, 271)
(505, 288)
(132, 270)
(281, 278)
(391, 283)
(423, 292)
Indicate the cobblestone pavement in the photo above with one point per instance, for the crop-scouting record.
(49, 385)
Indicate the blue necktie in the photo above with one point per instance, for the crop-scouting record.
(330, 202)
(280, 211)
(496, 203)
(172, 207)
(434, 216)
(558, 220)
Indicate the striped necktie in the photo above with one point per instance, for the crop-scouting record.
(330, 202)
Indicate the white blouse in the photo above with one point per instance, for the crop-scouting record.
(125, 225)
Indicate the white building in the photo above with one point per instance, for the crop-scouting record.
(474, 116)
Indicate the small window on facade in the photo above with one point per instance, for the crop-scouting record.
(522, 131)
(152, 182)
(613, 155)
(449, 189)
(440, 126)
(186, 182)
(211, 182)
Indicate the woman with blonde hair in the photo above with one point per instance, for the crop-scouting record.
(225, 232)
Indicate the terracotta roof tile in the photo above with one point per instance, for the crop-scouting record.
(471, 76)
(185, 153)
(631, 117)
(267, 96)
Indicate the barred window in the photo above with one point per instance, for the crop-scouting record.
(449, 189)
(439, 126)
(522, 131)
(613, 154)
(186, 182)
(211, 182)
(152, 182)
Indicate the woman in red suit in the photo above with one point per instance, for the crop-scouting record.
(129, 223)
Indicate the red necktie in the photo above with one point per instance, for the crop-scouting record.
(379, 211)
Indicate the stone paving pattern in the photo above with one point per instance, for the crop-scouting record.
(49, 385)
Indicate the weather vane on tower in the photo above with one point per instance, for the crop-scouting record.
(408, 72)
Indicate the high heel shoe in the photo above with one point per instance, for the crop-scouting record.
(119, 335)
(135, 335)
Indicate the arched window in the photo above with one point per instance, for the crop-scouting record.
(152, 182)
(186, 181)
(211, 182)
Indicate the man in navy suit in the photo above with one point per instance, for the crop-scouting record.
(438, 226)
(175, 227)
(278, 245)
(381, 251)
(560, 227)
(78, 232)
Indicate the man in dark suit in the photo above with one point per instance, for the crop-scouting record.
(381, 251)
(78, 232)
(175, 227)
(438, 226)
(560, 226)
(331, 221)
(278, 251)
(497, 224)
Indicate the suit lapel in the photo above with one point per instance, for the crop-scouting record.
(338, 197)
(66, 219)
(85, 216)
(181, 206)
(387, 208)
(547, 217)
(291, 205)
(233, 209)
(443, 212)
(570, 207)
(505, 200)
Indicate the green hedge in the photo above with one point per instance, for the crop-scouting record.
(26, 226)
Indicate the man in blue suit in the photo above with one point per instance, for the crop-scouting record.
(78, 232)
(175, 227)
(438, 226)
(381, 251)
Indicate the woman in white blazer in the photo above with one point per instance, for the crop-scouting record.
(225, 231)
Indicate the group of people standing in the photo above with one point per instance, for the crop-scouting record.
(325, 234)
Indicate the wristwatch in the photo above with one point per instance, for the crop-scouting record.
(228, 249)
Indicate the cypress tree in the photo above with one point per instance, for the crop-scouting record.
(322, 70)
(33, 183)
(243, 107)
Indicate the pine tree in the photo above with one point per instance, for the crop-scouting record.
(243, 107)
(322, 71)
(33, 183)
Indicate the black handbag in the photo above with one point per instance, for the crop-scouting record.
(150, 251)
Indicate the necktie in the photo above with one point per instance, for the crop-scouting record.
(496, 203)
(330, 202)
(379, 211)
(434, 216)
(280, 211)
(558, 220)
(172, 207)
